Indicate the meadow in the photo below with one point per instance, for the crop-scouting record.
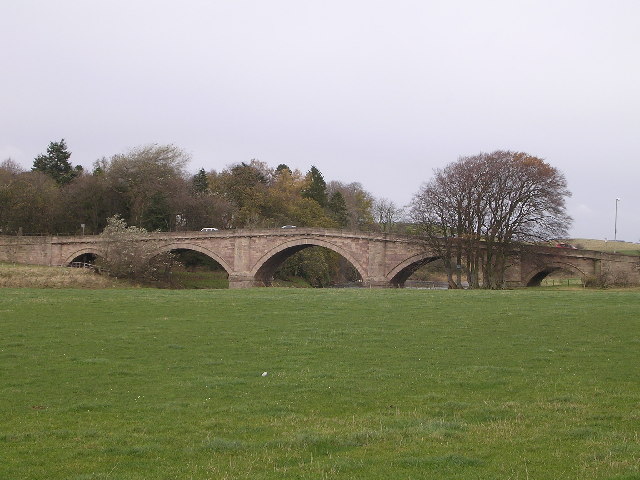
(612, 246)
(368, 384)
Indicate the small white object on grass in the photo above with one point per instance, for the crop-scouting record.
(264, 374)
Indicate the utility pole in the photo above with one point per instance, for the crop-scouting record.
(615, 225)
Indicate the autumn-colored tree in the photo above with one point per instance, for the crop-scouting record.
(245, 186)
(149, 187)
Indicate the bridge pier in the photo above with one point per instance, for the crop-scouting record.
(377, 283)
(241, 281)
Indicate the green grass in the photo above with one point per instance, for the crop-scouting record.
(627, 248)
(219, 279)
(368, 384)
(200, 279)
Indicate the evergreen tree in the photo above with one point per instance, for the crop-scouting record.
(338, 208)
(282, 167)
(157, 214)
(317, 188)
(56, 163)
(200, 182)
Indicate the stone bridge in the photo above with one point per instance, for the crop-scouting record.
(251, 257)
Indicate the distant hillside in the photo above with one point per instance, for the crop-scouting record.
(607, 246)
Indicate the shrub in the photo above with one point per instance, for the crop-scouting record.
(128, 255)
(607, 279)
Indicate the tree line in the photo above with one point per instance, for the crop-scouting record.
(473, 213)
(149, 187)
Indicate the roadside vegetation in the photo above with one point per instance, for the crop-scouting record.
(35, 276)
(287, 383)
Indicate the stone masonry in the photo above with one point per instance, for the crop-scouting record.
(250, 257)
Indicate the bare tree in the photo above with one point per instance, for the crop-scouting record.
(27, 202)
(478, 208)
(386, 214)
(439, 212)
(10, 166)
(84, 200)
(358, 203)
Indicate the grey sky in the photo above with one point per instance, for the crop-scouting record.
(378, 92)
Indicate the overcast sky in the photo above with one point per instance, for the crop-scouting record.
(376, 92)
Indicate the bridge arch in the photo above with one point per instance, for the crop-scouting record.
(83, 252)
(197, 248)
(264, 269)
(535, 277)
(401, 272)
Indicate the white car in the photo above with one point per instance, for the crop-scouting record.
(209, 229)
(288, 226)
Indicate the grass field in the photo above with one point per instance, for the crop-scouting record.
(627, 248)
(367, 384)
(199, 280)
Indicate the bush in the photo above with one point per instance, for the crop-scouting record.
(127, 255)
(606, 279)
